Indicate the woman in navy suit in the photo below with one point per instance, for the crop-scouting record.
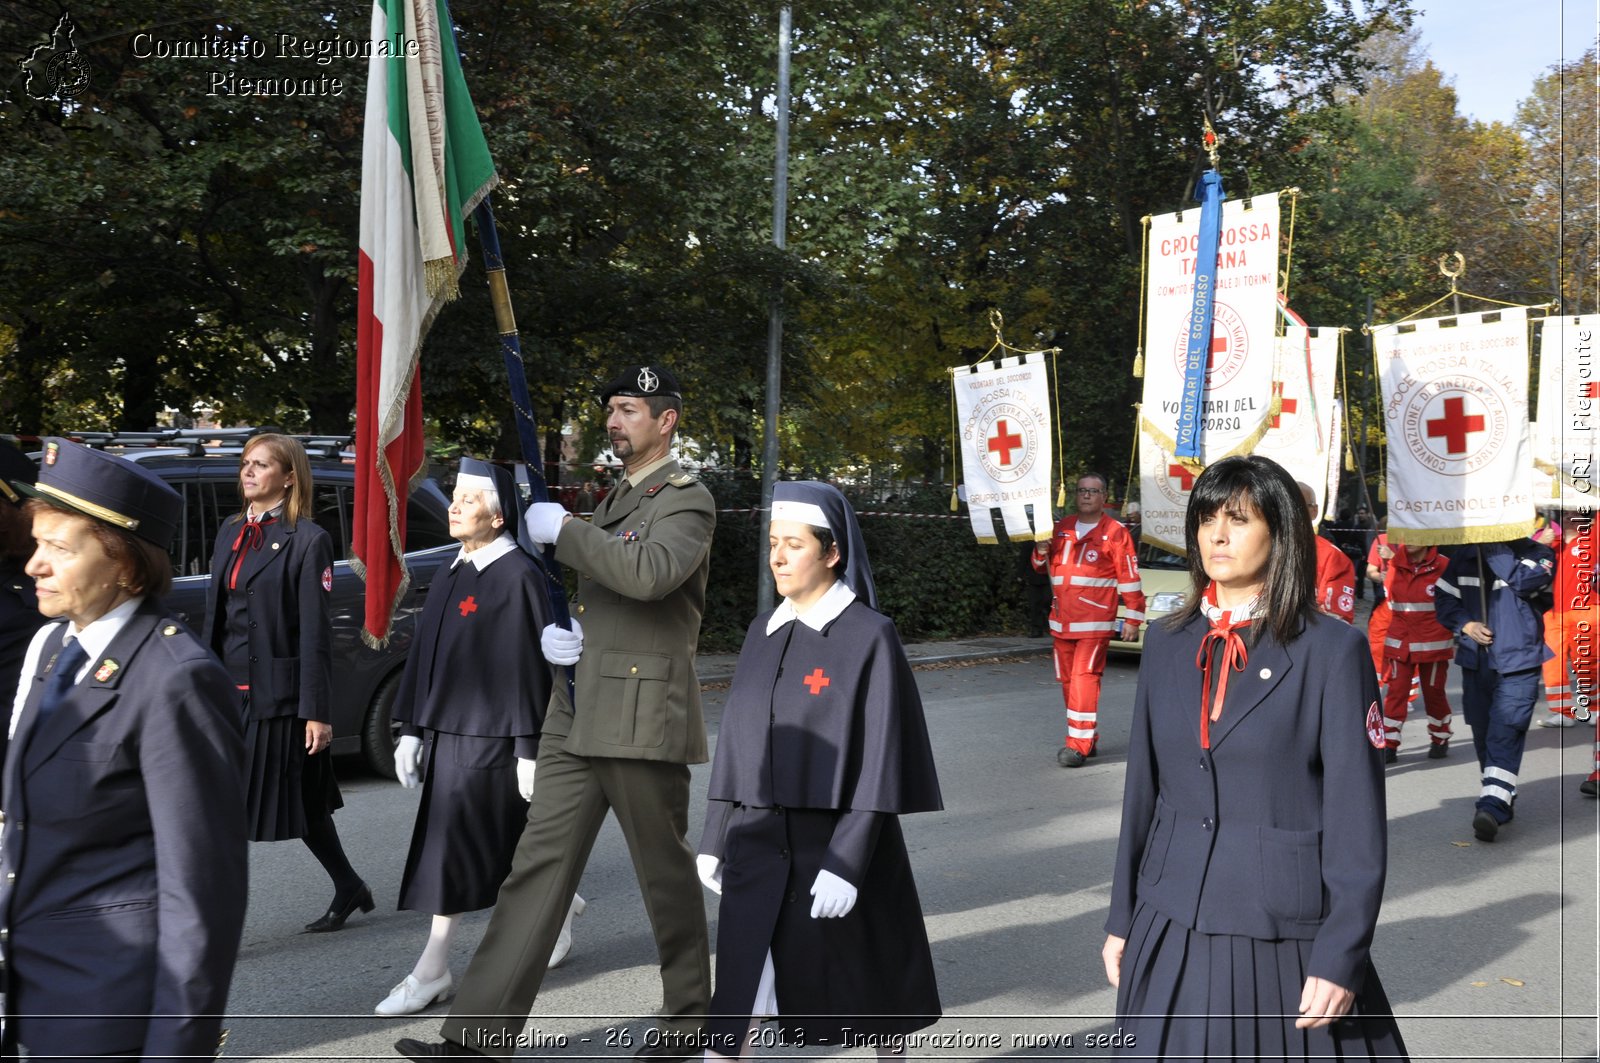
(267, 618)
(1251, 864)
(123, 871)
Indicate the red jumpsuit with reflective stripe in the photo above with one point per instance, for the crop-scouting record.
(1336, 582)
(1415, 644)
(1572, 626)
(1087, 578)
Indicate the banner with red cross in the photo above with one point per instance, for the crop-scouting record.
(1004, 427)
(1236, 402)
(1455, 407)
(1564, 436)
(1300, 436)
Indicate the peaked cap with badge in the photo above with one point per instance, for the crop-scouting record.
(109, 488)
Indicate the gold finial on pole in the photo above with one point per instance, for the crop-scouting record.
(1211, 141)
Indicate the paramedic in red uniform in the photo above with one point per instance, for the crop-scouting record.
(1336, 576)
(1415, 644)
(1091, 561)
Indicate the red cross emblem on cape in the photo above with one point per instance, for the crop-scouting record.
(816, 681)
(468, 605)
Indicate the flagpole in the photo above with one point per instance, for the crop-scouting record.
(780, 208)
(494, 264)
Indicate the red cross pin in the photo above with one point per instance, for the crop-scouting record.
(468, 605)
(816, 681)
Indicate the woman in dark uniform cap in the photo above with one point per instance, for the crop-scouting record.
(123, 874)
(267, 618)
(470, 707)
(822, 746)
(1251, 864)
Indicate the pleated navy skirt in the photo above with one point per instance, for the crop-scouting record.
(285, 788)
(467, 827)
(1187, 996)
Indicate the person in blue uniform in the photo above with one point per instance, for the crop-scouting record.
(1501, 655)
(267, 619)
(19, 609)
(470, 706)
(1250, 867)
(123, 869)
(822, 747)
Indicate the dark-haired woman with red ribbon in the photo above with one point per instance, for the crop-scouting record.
(267, 618)
(1253, 851)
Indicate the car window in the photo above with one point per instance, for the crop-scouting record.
(191, 548)
(426, 526)
(330, 508)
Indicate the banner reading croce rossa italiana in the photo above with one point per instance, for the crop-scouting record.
(1003, 413)
(1235, 402)
(1565, 443)
(1455, 406)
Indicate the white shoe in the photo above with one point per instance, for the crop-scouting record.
(411, 996)
(558, 955)
(1556, 719)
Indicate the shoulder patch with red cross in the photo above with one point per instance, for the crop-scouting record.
(1375, 726)
(327, 579)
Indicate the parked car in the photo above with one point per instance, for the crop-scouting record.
(1165, 580)
(207, 476)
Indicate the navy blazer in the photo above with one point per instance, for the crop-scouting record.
(1278, 830)
(287, 583)
(124, 853)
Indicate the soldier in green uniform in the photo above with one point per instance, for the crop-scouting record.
(627, 744)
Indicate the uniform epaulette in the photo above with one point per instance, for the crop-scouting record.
(682, 479)
(181, 649)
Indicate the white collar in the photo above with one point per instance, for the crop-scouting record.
(97, 635)
(823, 611)
(484, 556)
(1237, 615)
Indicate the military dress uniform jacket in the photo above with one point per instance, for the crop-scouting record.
(644, 561)
(1278, 830)
(287, 582)
(124, 855)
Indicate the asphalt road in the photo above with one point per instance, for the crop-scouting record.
(1488, 952)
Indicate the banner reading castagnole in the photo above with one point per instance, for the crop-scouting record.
(1455, 406)
(1003, 412)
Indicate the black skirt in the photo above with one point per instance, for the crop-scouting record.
(1187, 996)
(468, 823)
(870, 972)
(285, 788)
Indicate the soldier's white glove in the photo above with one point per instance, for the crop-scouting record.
(525, 778)
(543, 521)
(710, 868)
(833, 896)
(561, 646)
(408, 761)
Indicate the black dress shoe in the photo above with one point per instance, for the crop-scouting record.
(412, 1048)
(333, 919)
(1485, 826)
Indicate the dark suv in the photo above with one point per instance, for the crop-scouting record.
(207, 476)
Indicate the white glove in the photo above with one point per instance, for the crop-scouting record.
(710, 868)
(834, 896)
(408, 761)
(525, 778)
(543, 521)
(560, 645)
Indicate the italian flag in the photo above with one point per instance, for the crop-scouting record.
(424, 167)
